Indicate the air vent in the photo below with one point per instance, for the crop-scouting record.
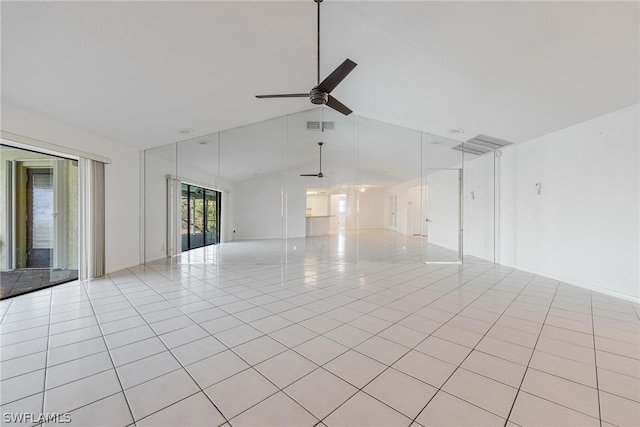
(489, 142)
(482, 144)
(469, 149)
(325, 126)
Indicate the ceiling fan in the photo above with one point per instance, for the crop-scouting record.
(319, 174)
(320, 94)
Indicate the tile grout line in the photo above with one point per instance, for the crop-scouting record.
(321, 366)
(107, 349)
(177, 307)
(46, 357)
(196, 291)
(290, 348)
(252, 366)
(595, 359)
(440, 388)
(412, 348)
(201, 390)
(532, 353)
(314, 316)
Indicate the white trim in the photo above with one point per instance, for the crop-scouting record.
(91, 200)
(120, 268)
(27, 143)
(197, 183)
(60, 232)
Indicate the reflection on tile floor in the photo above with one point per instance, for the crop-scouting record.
(24, 280)
(319, 342)
(344, 248)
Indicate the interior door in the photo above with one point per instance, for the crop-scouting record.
(442, 216)
(40, 218)
(393, 212)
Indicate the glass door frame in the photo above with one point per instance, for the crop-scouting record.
(205, 214)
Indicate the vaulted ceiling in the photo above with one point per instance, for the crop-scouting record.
(136, 72)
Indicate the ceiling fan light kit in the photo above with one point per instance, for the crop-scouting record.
(320, 94)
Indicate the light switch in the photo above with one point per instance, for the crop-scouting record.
(538, 188)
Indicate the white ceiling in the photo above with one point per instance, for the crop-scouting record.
(136, 72)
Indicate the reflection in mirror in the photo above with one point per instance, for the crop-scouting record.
(252, 166)
(388, 167)
(159, 213)
(197, 173)
(371, 192)
(442, 227)
(313, 227)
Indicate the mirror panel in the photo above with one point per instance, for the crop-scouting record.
(386, 194)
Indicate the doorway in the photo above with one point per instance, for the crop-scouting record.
(393, 212)
(417, 206)
(200, 217)
(39, 217)
(442, 216)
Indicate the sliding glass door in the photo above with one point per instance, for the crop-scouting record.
(38, 220)
(200, 217)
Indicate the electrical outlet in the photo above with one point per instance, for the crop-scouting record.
(161, 248)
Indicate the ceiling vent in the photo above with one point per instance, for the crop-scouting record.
(481, 144)
(325, 126)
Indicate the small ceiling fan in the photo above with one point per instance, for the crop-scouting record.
(320, 94)
(319, 174)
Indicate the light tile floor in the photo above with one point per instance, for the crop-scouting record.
(306, 337)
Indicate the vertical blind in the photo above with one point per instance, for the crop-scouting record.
(92, 229)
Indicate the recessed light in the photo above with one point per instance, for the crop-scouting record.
(185, 131)
(436, 143)
(203, 142)
(455, 131)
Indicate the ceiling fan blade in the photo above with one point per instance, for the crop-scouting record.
(285, 95)
(338, 106)
(334, 79)
(308, 174)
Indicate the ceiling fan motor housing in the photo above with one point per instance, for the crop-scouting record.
(318, 97)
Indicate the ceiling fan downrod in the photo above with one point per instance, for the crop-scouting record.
(321, 93)
(318, 49)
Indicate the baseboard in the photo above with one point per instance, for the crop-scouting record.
(578, 283)
(115, 269)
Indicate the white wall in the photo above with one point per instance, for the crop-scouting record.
(121, 178)
(584, 227)
(156, 169)
(404, 193)
(258, 208)
(318, 204)
(371, 212)
(479, 210)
